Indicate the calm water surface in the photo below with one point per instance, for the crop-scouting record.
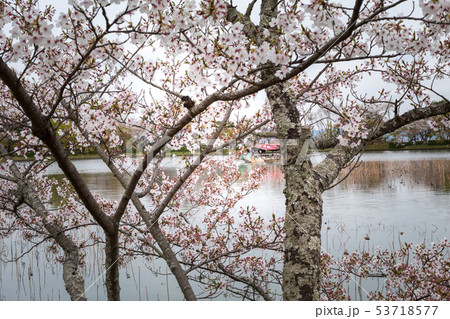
(391, 196)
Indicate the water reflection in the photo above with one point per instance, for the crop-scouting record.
(433, 174)
(105, 184)
(392, 201)
(392, 196)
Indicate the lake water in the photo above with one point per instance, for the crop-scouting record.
(392, 197)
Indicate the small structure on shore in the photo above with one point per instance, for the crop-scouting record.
(262, 153)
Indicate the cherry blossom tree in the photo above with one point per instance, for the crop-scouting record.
(377, 43)
(178, 73)
(65, 91)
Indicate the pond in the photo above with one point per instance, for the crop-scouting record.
(392, 197)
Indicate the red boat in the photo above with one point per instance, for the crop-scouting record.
(262, 153)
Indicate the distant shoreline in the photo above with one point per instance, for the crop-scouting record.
(401, 147)
(369, 148)
(386, 147)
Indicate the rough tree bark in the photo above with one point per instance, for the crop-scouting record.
(305, 185)
(301, 272)
(112, 266)
(303, 220)
(73, 281)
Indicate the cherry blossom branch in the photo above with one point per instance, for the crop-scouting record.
(404, 18)
(153, 226)
(152, 180)
(365, 57)
(81, 61)
(239, 137)
(43, 129)
(176, 187)
(220, 95)
(73, 281)
(329, 168)
(247, 281)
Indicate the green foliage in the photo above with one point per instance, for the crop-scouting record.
(396, 145)
(439, 142)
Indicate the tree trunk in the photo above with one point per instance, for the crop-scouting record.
(301, 273)
(303, 222)
(112, 266)
(73, 281)
(172, 262)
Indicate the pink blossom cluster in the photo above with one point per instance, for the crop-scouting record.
(415, 272)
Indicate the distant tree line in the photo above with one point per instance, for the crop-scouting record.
(418, 133)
